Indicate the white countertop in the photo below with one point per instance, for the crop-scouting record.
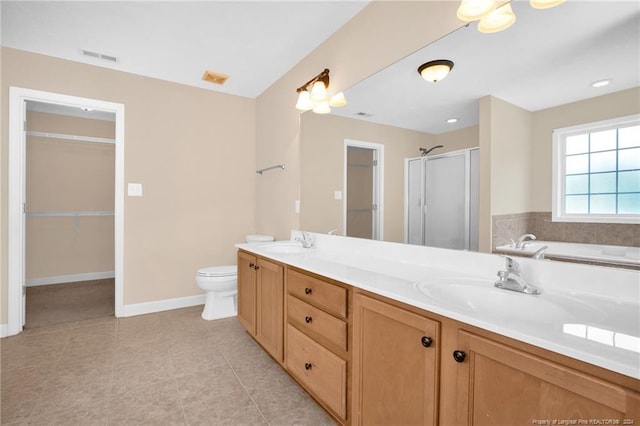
(590, 313)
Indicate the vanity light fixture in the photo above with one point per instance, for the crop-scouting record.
(313, 95)
(494, 18)
(435, 71)
(500, 19)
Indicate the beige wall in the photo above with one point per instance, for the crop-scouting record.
(457, 139)
(383, 32)
(192, 149)
(67, 176)
(619, 104)
(322, 171)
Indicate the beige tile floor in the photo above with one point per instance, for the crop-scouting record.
(168, 368)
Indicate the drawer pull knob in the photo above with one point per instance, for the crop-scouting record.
(459, 356)
(307, 366)
(256, 267)
(251, 265)
(308, 319)
(426, 341)
(307, 290)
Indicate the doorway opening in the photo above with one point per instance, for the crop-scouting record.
(65, 229)
(363, 189)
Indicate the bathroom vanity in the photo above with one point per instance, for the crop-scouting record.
(382, 333)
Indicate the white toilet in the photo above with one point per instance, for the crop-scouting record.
(221, 285)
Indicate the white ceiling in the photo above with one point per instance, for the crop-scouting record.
(547, 58)
(253, 42)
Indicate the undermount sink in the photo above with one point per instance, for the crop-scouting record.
(480, 297)
(284, 247)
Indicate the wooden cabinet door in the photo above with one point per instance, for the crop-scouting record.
(270, 308)
(499, 385)
(247, 291)
(395, 375)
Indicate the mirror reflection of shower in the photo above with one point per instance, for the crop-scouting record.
(425, 151)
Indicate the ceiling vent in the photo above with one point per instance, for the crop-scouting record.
(98, 55)
(214, 77)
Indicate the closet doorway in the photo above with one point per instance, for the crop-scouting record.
(65, 209)
(363, 189)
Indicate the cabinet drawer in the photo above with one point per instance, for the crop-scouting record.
(311, 319)
(322, 372)
(319, 293)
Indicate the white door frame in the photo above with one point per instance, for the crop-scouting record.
(378, 185)
(16, 223)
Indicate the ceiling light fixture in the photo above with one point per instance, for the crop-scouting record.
(494, 18)
(313, 95)
(435, 71)
(452, 120)
(601, 83)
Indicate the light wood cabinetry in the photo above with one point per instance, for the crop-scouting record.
(395, 365)
(261, 302)
(370, 360)
(317, 340)
(501, 385)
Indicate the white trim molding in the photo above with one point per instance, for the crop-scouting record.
(4, 330)
(162, 305)
(73, 278)
(16, 190)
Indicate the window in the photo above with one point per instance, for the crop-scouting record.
(596, 172)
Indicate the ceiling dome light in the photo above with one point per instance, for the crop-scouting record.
(601, 83)
(498, 20)
(545, 4)
(435, 71)
(452, 120)
(304, 101)
(472, 10)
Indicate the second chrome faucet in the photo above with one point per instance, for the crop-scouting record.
(510, 279)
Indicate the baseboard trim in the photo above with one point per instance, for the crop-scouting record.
(62, 279)
(162, 305)
(4, 330)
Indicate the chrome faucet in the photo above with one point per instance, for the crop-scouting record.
(511, 279)
(539, 254)
(520, 242)
(305, 240)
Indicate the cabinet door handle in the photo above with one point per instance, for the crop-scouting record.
(256, 267)
(308, 319)
(459, 356)
(426, 341)
(307, 366)
(308, 290)
(251, 265)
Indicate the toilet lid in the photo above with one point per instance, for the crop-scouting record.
(218, 271)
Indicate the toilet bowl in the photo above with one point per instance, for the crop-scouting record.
(221, 285)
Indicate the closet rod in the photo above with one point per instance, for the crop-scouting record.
(70, 137)
(70, 214)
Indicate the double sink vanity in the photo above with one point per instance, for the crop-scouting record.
(391, 334)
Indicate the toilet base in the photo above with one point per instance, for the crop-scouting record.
(220, 305)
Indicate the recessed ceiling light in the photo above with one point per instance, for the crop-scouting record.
(452, 120)
(601, 83)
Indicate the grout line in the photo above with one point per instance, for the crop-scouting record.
(253, 401)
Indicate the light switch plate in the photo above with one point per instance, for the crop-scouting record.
(134, 190)
(337, 195)
(297, 206)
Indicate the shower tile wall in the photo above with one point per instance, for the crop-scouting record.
(510, 226)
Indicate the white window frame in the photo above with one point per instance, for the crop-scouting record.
(558, 184)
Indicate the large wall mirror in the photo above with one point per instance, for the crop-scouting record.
(542, 66)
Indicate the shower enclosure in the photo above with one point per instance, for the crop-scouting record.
(441, 200)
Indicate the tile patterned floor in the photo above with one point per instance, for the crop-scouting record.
(168, 368)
